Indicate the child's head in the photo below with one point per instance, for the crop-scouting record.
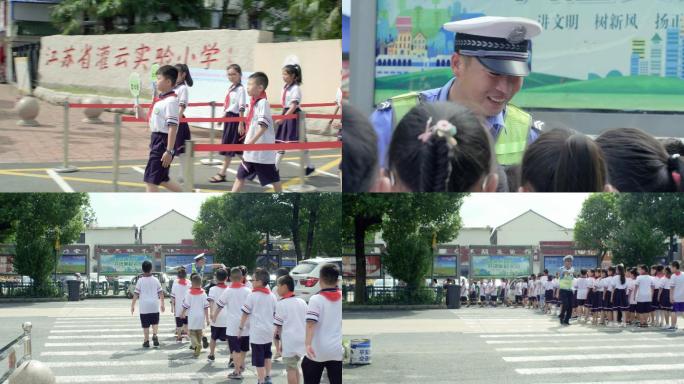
(634, 272)
(359, 165)
(550, 277)
(591, 272)
(234, 73)
(673, 146)
(236, 275)
(257, 84)
(261, 278)
(243, 269)
(285, 285)
(182, 274)
(659, 269)
(281, 272)
(441, 147)
(653, 269)
(611, 270)
(221, 275)
(292, 74)
(562, 160)
(166, 78)
(196, 280)
(183, 75)
(604, 273)
(328, 275)
(583, 272)
(643, 269)
(637, 162)
(147, 266)
(668, 272)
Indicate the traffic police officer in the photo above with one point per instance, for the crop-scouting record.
(491, 57)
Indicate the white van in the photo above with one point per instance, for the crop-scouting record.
(306, 275)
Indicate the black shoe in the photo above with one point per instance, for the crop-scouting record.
(146, 344)
(205, 342)
(155, 340)
(192, 347)
(231, 364)
(310, 170)
(210, 357)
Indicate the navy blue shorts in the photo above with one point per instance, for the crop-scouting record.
(260, 352)
(147, 319)
(644, 307)
(218, 333)
(180, 322)
(268, 174)
(238, 344)
(154, 172)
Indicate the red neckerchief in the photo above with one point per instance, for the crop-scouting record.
(161, 97)
(252, 104)
(332, 294)
(678, 273)
(262, 290)
(182, 282)
(196, 291)
(222, 285)
(233, 87)
(236, 285)
(285, 89)
(289, 294)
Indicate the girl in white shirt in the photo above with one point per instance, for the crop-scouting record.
(631, 294)
(619, 296)
(664, 298)
(608, 287)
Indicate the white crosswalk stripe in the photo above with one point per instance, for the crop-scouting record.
(581, 352)
(109, 350)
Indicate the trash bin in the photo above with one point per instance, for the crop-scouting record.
(74, 287)
(453, 296)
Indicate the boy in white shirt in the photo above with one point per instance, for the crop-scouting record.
(260, 130)
(196, 309)
(676, 294)
(149, 291)
(259, 308)
(162, 119)
(324, 330)
(218, 326)
(178, 292)
(644, 295)
(231, 301)
(290, 323)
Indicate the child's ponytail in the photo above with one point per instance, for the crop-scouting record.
(675, 167)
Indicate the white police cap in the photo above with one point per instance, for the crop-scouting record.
(502, 44)
(200, 256)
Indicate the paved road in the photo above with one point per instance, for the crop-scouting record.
(501, 345)
(97, 176)
(98, 341)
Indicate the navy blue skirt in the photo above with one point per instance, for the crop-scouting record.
(231, 135)
(288, 131)
(182, 135)
(597, 301)
(665, 303)
(620, 302)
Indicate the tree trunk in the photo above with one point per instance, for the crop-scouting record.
(360, 254)
(295, 226)
(313, 217)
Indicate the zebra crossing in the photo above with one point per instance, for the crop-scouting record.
(109, 350)
(579, 353)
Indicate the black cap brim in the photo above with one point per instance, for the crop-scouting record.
(506, 67)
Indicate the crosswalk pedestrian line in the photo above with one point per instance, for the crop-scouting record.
(650, 355)
(82, 326)
(218, 364)
(107, 352)
(126, 336)
(93, 343)
(539, 334)
(580, 348)
(579, 340)
(99, 330)
(600, 369)
(143, 377)
(661, 381)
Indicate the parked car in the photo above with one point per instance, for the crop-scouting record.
(163, 280)
(306, 275)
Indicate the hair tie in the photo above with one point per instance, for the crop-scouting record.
(443, 128)
(673, 168)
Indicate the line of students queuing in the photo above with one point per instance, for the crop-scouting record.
(249, 316)
(616, 296)
(168, 135)
(439, 147)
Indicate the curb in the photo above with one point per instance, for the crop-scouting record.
(32, 300)
(398, 307)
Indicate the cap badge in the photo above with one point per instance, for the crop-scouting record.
(517, 35)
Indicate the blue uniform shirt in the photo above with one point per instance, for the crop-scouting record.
(382, 121)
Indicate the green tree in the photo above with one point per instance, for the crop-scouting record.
(636, 243)
(419, 217)
(317, 19)
(597, 222)
(38, 222)
(127, 16)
